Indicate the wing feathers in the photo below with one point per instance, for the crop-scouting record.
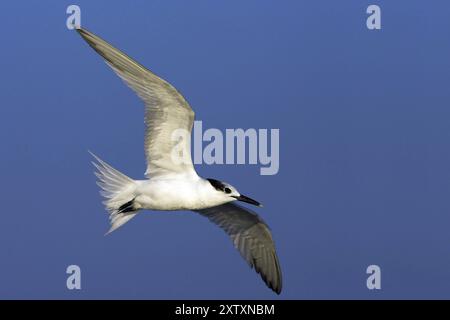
(251, 236)
(166, 109)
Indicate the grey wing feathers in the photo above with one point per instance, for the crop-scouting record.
(252, 237)
(166, 108)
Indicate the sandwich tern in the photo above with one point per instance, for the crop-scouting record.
(175, 185)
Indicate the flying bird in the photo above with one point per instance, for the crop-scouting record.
(173, 184)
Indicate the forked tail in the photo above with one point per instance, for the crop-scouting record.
(119, 192)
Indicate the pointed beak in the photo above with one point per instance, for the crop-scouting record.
(248, 200)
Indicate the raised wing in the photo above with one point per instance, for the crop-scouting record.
(168, 116)
(252, 237)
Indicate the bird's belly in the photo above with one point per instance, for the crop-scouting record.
(166, 196)
(166, 204)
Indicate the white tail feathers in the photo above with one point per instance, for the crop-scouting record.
(118, 191)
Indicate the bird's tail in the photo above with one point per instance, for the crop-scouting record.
(119, 192)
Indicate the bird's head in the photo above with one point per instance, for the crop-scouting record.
(228, 193)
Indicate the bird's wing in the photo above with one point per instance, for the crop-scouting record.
(168, 116)
(252, 237)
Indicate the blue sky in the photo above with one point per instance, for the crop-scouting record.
(364, 147)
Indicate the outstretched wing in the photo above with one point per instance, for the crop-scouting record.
(252, 237)
(168, 116)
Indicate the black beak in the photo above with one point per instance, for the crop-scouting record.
(248, 200)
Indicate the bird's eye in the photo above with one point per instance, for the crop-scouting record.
(227, 190)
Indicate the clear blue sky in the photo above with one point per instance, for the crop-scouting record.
(364, 123)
